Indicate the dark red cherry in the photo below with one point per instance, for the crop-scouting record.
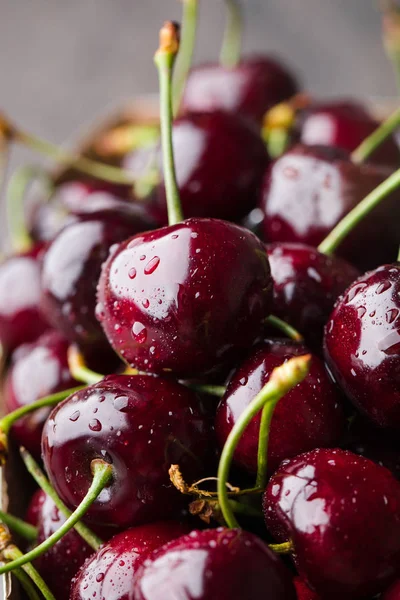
(110, 572)
(20, 318)
(37, 370)
(309, 189)
(343, 124)
(60, 562)
(141, 425)
(220, 162)
(342, 513)
(252, 87)
(306, 286)
(307, 417)
(214, 564)
(303, 591)
(186, 298)
(393, 593)
(71, 269)
(362, 344)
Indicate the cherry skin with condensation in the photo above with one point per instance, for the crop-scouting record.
(332, 505)
(21, 320)
(362, 344)
(72, 266)
(110, 572)
(308, 416)
(306, 285)
(186, 298)
(252, 87)
(37, 370)
(214, 564)
(208, 149)
(343, 124)
(309, 189)
(141, 425)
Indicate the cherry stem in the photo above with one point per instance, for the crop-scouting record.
(211, 390)
(244, 509)
(13, 554)
(398, 256)
(20, 527)
(284, 548)
(21, 179)
(232, 42)
(391, 35)
(377, 137)
(164, 59)
(282, 379)
(33, 469)
(78, 368)
(83, 164)
(186, 50)
(102, 473)
(363, 208)
(27, 584)
(285, 328)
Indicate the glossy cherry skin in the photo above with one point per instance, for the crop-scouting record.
(185, 298)
(342, 513)
(362, 344)
(303, 591)
(343, 124)
(214, 564)
(61, 562)
(21, 320)
(252, 87)
(208, 149)
(71, 269)
(306, 286)
(307, 417)
(309, 189)
(141, 425)
(37, 370)
(110, 572)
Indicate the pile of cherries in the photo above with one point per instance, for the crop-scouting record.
(240, 318)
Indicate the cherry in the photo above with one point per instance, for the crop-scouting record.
(38, 369)
(303, 591)
(185, 298)
(342, 124)
(61, 562)
(362, 344)
(393, 593)
(20, 318)
(140, 425)
(71, 268)
(110, 572)
(309, 189)
(250, 88)
(306, 286)
(342, 513)
(208, 148)
(214, 564)
(307, 417)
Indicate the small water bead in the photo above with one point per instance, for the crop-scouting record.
(132, 273)
(152, 265)
(95, 425)
(99, 577)
(361, 310)
(142, 257)
(391, 315)
(146, 303)
(385, 285)
(139, 332)
(75, 416)
(121, 402)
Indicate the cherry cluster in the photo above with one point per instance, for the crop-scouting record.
(200, 325)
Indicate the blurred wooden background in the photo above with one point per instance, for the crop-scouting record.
(64, 61)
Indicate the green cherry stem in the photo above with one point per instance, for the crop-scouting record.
(13, 554)
(18, 185)
(18, 526)
(80, 163)
(164, 59)
(282, 379)
(186, 50)
(285, 328)
(27, 584)
(78, 368)
(377, 137)
(33, 468)
(8, 420)
(232, 41)
(211, 390)
(102, 473)
(284, 548)
(398, 256)
(363, 208)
